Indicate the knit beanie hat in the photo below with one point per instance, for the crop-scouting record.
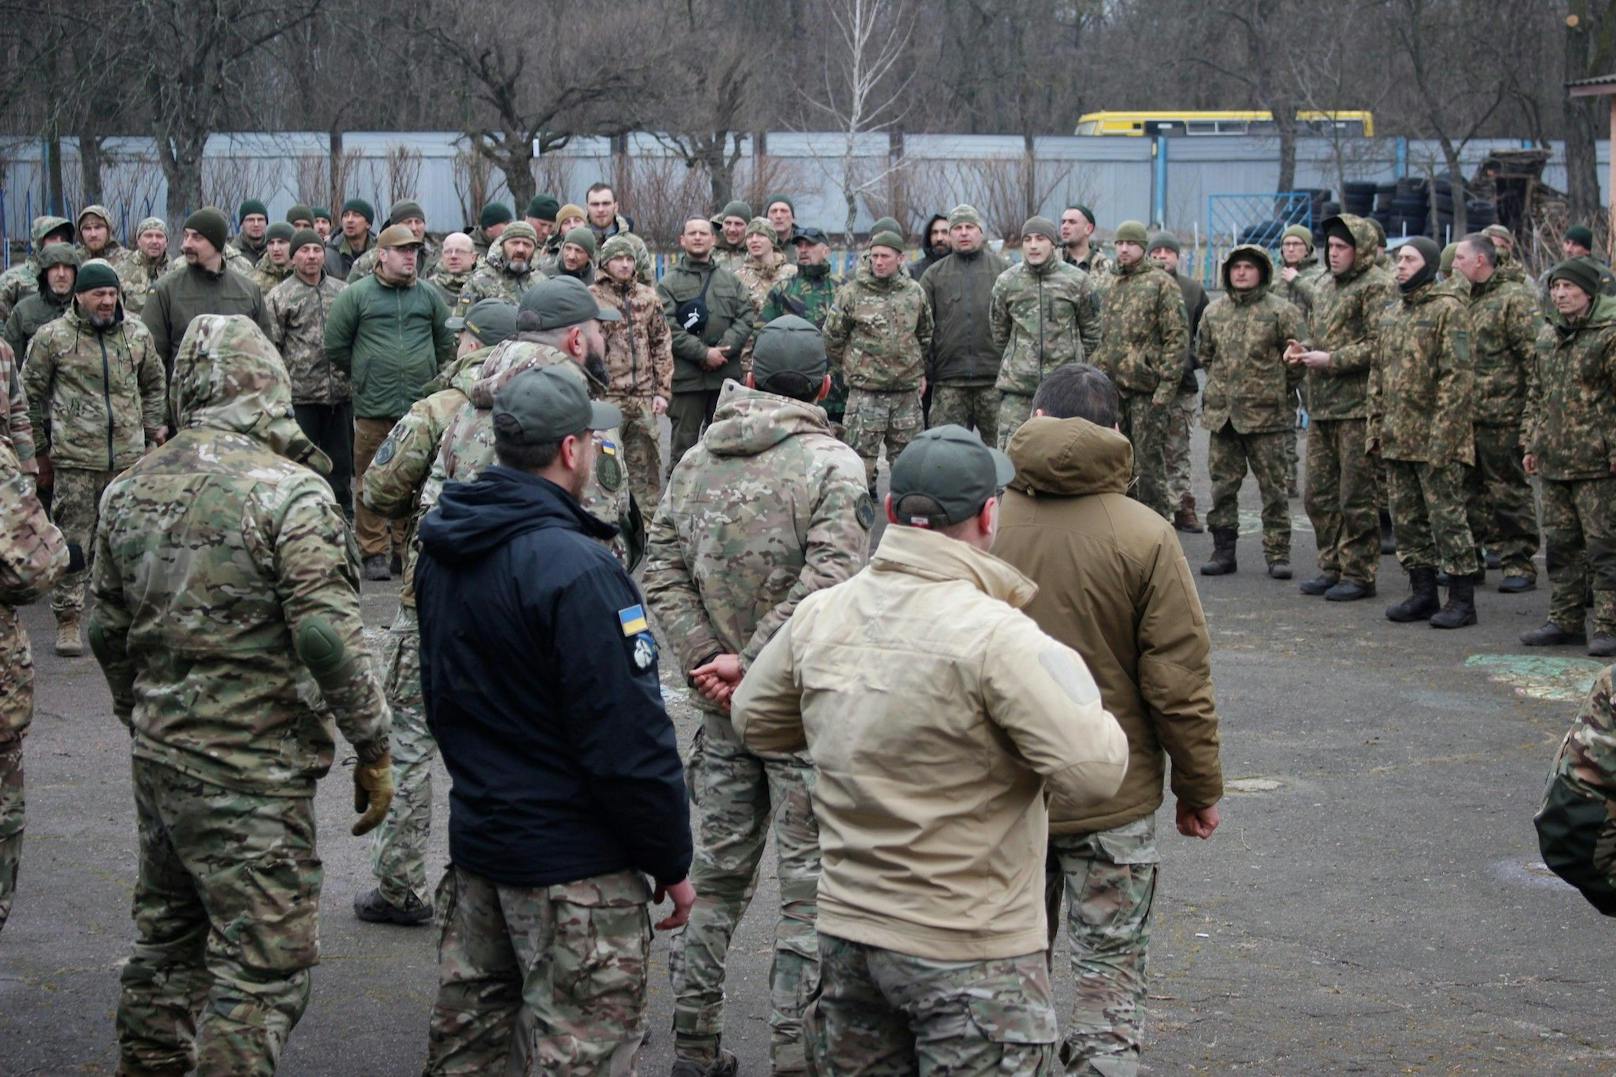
(519, 230)
(322, 214)
(886, 224)
(543, 207)
(209, 223)
(887, 239)
(757, 226)
(299, 212)
(1041, 226)
(964, 214)
(279, 230)
(303, 237)
(1578, 272)
(1164, 241)
(1447, 257)
(361, 207)
(403, 211)
(1131, 232)
(571, 209)
(96, 273)
(251, 206)
(736, 209)
(614, 247)
(781, 198)
(1581, 235)
(584, 238)
(151, 224)
(1301, 232)
(494, 213)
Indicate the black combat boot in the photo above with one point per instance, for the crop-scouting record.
(1461, 607)
(1549, 634)
(1388, 540)
(1319, 584)
(1279, 570)
(1422, 600)
(1222, 563)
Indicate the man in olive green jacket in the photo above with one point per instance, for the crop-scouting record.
(387, 332)
(206, 285)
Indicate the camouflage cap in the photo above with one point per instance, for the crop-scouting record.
(1447, 257)
(558, 302)
(299, 212)
(489, 320)
(759, 226)
(279, 230)
(548, 403)
(1499, 232)
(789, 354)
(964, 213)
(1131, 232)
(582, 237)
(397, 235)
(151, 224)
(617, 246)
(945, 476)
(94, 211)
(519, 230)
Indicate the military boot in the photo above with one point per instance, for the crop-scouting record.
(1388, 540)
(1185, 520)
(376, 567)
(371, 906)
(1319, 584)
(1422, 599)
(1550, 634)
(725, 1065)
(1222, 563)
(69, 644)
(1279, 570)
(1461, 607)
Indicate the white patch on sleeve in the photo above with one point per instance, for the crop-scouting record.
(1068, 671)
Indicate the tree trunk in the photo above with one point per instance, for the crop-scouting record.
(1582, 163)
(181, 158)
(720, 174)
(90, 168)
(1456, 194)
(335, 195)
(515, 158)
(53, 172)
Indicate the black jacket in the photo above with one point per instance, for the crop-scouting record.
(540, 683)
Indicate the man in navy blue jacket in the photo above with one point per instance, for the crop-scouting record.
(539, 674)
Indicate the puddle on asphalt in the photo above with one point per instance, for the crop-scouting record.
(1562, 680)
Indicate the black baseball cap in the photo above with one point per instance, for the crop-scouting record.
(809, 235)
(945, 476)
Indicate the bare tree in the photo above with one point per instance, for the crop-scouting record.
(1589, 49)
(863, 91)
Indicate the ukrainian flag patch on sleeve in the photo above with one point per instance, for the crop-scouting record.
(633, 620)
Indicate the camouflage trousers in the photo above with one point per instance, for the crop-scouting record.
(975, 407)
(1502, 514)
(879, 1013)
(1014, 411)
(1145, 425)
(540, 980)
(75, 505)
(225, 912)
(1108, 879)
(398, 844)
(1579, 533)
(881, 418)
(737, 793)
(1176, 447)
(11, 822)
(642, 450)
(1343, 498)
(1427, 503)
(1229, 454)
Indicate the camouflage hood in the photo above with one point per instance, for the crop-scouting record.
(1365, 242)
(1070, 458)
(749, 421)
(106, 215)
(1264, 264)
(506, 360)
(44, 226)
(1600, 315)
(228, 376)
(58, 254)
(462, 374)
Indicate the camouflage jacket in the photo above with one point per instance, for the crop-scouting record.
(879, 332)
(1144, 331)
(1241, 346)
(1304, 288)
(17, 431)
(1042, 317)
(468, 446)
(639, 349)
(33, 556)
(760, 276)
(809, 294)
(1504, 323)
(731, 258)
(767, 508)
(139, 274)
(644, 264)
(1422, 384)
(399, 471)
(449, 285)
(1569, 422)
(247, 249)
(22, 279)
(266, 274)
(1102, 271)
(101, 390)
(297, 314)
(226, 583)
(115, 254)
(1346, 323)
(493, 280)
(1578, 816)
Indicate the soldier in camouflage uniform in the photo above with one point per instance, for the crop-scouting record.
(1043, 315)
(33, 556)
(95, 375)
(1504, 323)
(276, 263)
(228, 539)
(1299, 278)
(879, 333)
(639, 366)
(558, 322)
(1570, 412)
(58, 268)
(95, 238)
(509, 271)
(1341, 478)
(322, 397)
(1246, 407)
(147, 262)
(1165, 252)
(16, 428)
(1578, 817)
(1422, 400)
(22, 279)
(808, 294)
(730, 225)
(764, 267)
(766, 509)
(392, 487)
(1143, 337)
(1078, 249)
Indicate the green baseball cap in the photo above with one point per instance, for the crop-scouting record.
(490, 321)
(790, 354)
(563, 301)
(549, 403)
(945, 476)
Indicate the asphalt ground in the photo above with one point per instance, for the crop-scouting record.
(1372, 903)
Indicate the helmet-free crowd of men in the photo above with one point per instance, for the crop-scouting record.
(950, 736)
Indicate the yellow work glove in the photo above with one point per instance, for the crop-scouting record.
(372, 792)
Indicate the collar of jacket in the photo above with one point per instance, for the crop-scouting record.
(1142, 266)
(224, 267)
(1479, 288)
(918, 552)
(392, 282)
(813, 272)
(1422, 293)
(1246, 295)
(1048, 268)
(706, 265)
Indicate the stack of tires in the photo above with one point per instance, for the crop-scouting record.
(1358, 199)
(1409, 209)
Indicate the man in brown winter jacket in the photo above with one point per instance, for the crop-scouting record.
(1114, 586)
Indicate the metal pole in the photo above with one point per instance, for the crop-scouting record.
(1158, 185)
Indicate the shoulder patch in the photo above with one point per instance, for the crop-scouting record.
(865, 511)
(385, 453)
(632, 618)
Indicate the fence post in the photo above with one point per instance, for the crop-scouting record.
(1400, 164)
(1158, 184)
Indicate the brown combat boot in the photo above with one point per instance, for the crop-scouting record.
(69, 644)
(1184, 519)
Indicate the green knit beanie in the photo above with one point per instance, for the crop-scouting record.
(303, 237)
(887, 239)
(95, 273)
(1164, 241)
(361, 207)
(583, 237)
(494, 213)
(543, 207)
(403, 211)
(299, 212)
(886, 224)
(1131, 232)
(1301, 232)
(1578, 272)
(209, 223)
(322, 214)
(279, 230)
(736, 209)
(251, 206)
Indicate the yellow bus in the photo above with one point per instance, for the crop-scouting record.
(1142, 124)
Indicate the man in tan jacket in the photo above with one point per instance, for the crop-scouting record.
(1114, 586)
(938, 718)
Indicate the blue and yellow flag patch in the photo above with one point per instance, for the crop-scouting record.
(633, 620)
